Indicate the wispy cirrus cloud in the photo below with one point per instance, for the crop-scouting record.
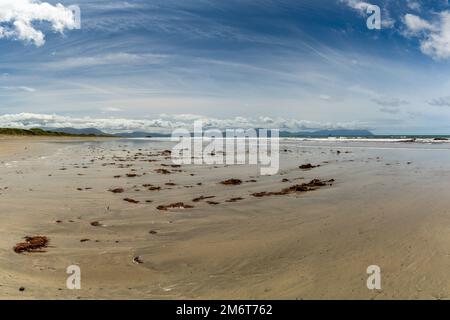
(229, 58)
(106, 59)
(17, 88)
(389, 101)
(116, 5)
(390, 110)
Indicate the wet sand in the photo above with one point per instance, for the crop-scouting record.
(388, 206)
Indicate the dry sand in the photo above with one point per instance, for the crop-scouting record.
(392, 211)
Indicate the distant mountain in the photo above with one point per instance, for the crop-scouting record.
(284, 134)
(97, 132)
(85, 131)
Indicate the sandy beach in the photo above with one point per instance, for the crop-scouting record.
(386, 204)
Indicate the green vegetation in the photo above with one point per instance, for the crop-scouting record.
(39, 132)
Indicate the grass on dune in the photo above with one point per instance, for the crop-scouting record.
(39, 132)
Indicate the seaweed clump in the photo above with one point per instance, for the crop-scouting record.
(32, 244)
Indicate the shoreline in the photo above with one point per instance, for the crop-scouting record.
(16, 145)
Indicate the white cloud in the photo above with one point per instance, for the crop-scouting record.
(413, 5)
(387, 21)
(437, 43)
(164, 123)
(440, 102)
(111, 109)
(359, 5)
(390, 110)
(389, 101)
(17, 18)
(434, 37)
(415, 24)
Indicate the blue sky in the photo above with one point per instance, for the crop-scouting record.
(297, 65)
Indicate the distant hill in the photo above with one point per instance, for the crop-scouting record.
(84, 131)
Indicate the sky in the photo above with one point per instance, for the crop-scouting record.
(295, 65)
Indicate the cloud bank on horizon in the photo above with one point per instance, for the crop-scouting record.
(164, 123)
(250, 59)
